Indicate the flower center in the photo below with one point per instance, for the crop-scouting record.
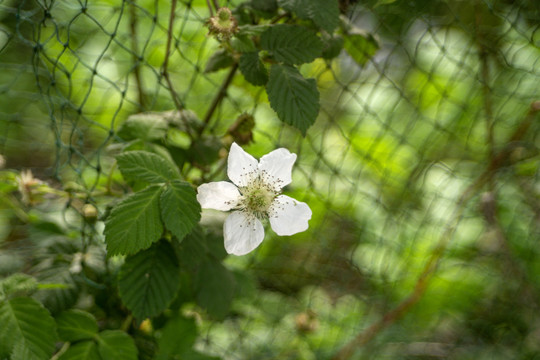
(257, 199)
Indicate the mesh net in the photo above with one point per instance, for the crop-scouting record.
(421, 170)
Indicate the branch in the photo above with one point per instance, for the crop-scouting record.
(401, 309)
(222, 92)
(136, 56)
(165, 69)
(165, 66)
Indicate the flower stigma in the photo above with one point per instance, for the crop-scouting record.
(256, 199)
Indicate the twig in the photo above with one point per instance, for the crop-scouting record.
(218, 98)
(210, 10)
(395, 314)
(165, 66)
(165, 69)
(483, 53)
(136, 56)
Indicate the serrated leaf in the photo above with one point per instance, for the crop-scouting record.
(264, 5)
(146, 166)
(27, 326)
(149, 280)
(294, 98)
(74, 325)
(177, 336)
(252, 30)
(221, 59)
(116, 344)
(86, 350)
(145, 126)
(324, 13)
(135, 223)
(213, 278)
(253, 69)
(17, 284)
(57, 299)
(180, 209)
(332, 47)
(291, 44)
(242, 43)
(361, 46)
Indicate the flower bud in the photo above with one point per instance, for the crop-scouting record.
(223, 25)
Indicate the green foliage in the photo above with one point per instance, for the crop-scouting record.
(221, 59)
(213, 278)
(360, 46)
(26, 327)
(149, 280)
(134, 223)
(116, 344)
(177, 337)
(324, 13)
(145, 166)
(84, 350)
(180, 210)
(291, 44)
(75, 325)
(16, 285)
(253, 69)
(147, 127)
(105, 244)
(294, 98)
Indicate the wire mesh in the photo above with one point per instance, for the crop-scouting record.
(411, 155)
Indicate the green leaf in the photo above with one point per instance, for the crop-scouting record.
(253, 69)
(213, 278)
(149, 280)
(221, 59)
(86, 350)
(145, 126)
(242, 43)
(332, 47)
(28, 327)
(57, 298)
(180, 209)
(361, 46)
(115, 345)
(294, 98)
(74, 325)
(291, 44)
(146, 166)
(135, 223)
(324, 13)
(17, 284)
(177, 336)
(264, 5)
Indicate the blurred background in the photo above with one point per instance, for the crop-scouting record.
(422, 169)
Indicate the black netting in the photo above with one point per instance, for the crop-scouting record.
(421, 169)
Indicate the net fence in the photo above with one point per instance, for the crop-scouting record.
(421, 170)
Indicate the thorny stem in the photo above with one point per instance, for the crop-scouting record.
(220, 95)
(422, 283)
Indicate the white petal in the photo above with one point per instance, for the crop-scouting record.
(288, 216)
(242, 233)
(221, 195)
(242, 167)
(276, 168)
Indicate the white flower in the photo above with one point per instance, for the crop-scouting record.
(255, 196)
